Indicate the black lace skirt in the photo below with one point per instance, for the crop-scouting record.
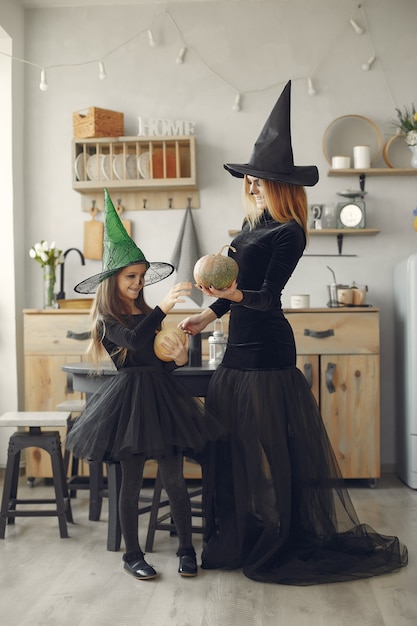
(275, 502)
(142, 411)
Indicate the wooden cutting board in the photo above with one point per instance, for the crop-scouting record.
(126, 223)
(93, 237)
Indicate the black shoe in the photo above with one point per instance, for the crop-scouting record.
(139, 568)
(188, 565)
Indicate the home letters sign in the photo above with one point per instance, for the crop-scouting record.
(164, 128)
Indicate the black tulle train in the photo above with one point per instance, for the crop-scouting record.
(275, 502)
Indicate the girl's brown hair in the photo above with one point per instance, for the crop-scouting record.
(108, 304)
(285, 202)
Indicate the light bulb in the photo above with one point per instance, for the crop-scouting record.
(311, 90)
(367, 66)
(43, 85)
(152, 41)
(358, 29)
(236, 106)
(102, 71)
(181, 55)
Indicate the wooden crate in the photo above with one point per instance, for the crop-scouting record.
(95, 122)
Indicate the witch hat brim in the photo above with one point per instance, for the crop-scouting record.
(120, 251)
(272, 155)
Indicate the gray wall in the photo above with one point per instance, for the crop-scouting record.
(247, 47)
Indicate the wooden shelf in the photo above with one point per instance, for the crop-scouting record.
(119, 164)
(343, 231)
(375, 171)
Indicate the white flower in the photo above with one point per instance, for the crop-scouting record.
(411, 138)
(46, 255)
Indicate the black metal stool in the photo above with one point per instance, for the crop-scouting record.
(49, 441)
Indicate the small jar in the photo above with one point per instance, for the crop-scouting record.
(217, 344)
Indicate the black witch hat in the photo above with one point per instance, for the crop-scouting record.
(272, 156)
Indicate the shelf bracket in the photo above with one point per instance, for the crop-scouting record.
(362, 181)
(340, 242)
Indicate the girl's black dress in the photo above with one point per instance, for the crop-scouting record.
(143, 408)
(276, 504)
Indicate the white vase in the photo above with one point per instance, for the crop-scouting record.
(413, 162)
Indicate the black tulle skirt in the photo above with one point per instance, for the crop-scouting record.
(275, 502)
(142, 410)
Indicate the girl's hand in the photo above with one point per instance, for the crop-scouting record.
(175, 294)
(194, 324)
(176, 349)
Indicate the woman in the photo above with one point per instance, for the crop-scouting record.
(275, 501)
(143, 412)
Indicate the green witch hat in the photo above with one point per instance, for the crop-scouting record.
(272, 155)
(119, 251)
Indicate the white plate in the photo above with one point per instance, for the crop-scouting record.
(131, 166)
(107, 167)
(79, 167)
(143, 164)
(94, 166)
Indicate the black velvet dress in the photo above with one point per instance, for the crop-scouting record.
(276, 504)
(143, 409)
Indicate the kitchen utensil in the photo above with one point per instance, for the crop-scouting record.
(93, 236)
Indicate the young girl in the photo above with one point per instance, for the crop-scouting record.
(143, 412)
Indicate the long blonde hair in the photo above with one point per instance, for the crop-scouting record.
(108, 304)
(285, 202)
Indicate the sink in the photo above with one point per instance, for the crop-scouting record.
(75, 303)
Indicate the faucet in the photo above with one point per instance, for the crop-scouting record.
(61, 294)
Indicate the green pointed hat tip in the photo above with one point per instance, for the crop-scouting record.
(119, 250)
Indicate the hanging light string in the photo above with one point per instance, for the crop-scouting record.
(185, 49)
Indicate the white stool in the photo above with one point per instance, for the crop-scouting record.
(47, 440)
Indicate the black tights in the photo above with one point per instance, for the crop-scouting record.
(172, 476)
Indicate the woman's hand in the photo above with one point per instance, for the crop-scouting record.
(176, 349)
(175, 294)
(230, 293)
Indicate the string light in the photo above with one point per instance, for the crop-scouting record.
(185, 49)
(367, 66)
(181, 55)
(43, 85)
(237, 103)
(101, 71)
(311, 90)
(358, 29)
(151, 39)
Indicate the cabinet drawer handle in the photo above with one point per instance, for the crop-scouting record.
(330, 371)
(78, 336)
(319, 334)
(308, 373)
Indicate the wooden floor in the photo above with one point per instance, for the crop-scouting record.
(45, 580)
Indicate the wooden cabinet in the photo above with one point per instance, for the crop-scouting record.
(338, 351)
(50, 340)
(144, 172)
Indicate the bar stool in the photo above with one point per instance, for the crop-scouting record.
(49, 441)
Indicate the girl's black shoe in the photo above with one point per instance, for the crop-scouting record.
(136, 565)
(188, 565)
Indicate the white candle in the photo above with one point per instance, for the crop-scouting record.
(361, 157)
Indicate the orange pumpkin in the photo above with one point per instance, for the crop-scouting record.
(170, 332)
(216, 270)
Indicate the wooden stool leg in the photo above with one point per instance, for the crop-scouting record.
(96, 488)
(10, 487)
(154, 513)
(114, 532)
(63, 504)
